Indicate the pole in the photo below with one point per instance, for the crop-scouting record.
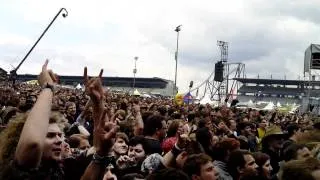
(227, 84)
(134, 72)
(178, 29)
(13, 73)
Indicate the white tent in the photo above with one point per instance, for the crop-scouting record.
(278, 104)
(250, 103)
(136, 93)
(79, 86)
(270, 106)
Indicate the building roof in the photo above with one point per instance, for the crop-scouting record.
(278, 91)
(2, 71)
(275, 81)
(108, 81)
(271, 90)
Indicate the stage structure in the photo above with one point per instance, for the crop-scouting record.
(311, 67)
(220, 85)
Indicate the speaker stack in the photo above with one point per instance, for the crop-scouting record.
(218, 71)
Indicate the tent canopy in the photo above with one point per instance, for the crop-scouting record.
(136, 93)
(187, 98)
(270, 106)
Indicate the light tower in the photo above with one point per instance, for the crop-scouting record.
(135, 71)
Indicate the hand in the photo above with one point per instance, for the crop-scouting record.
(183, 141)
(123, 161)
(93, 87)
(104, 133)
(47, 76)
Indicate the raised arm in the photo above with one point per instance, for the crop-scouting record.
(80, 118)
(30, 146)
(139, 125)
(104, 130)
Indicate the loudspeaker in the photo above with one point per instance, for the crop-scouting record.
(218, 71)
(315, 60)
(191, 84)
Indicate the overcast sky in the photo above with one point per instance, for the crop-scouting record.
(269, 36)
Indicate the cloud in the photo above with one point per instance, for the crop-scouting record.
(268, 36)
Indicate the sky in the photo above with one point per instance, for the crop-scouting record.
(268, 36)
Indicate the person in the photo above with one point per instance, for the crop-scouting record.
(247, 137)
(204, 137)
(78, 141)
(306, 169)
(265, 168)
(232, 125)
(221, 155)
(293, 132)
(155, 131)
(242, 164)
(261, 131)
(168, 173)
(120, 146)
(272, 145)
(131, 163)
(174, 131)
(200, 167)
(38, 152)
(177, 156)
(296, 152)
(104, 133)
(70, 109)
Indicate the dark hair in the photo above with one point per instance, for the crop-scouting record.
(243, 125)
(291, 128)
(236, 160)
(193, 147)
(152, 125)
(146, 115)
(202, 123)
(132, 176)
(173, 128)
(168, 173)
(192, 165)
(223, 148)
(75, 139)
(261, 159)
(291, 152)
(272, 119)
(204, 137)
(191, 117)
(139, 140)
(162, 110)
(176, 115)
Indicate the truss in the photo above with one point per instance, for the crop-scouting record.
(227, 89)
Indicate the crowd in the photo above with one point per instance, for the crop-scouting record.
(51, 132)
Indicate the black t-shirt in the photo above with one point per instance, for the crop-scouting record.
(13, 171)
(153, 146)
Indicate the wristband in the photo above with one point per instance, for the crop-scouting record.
(102, 160)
